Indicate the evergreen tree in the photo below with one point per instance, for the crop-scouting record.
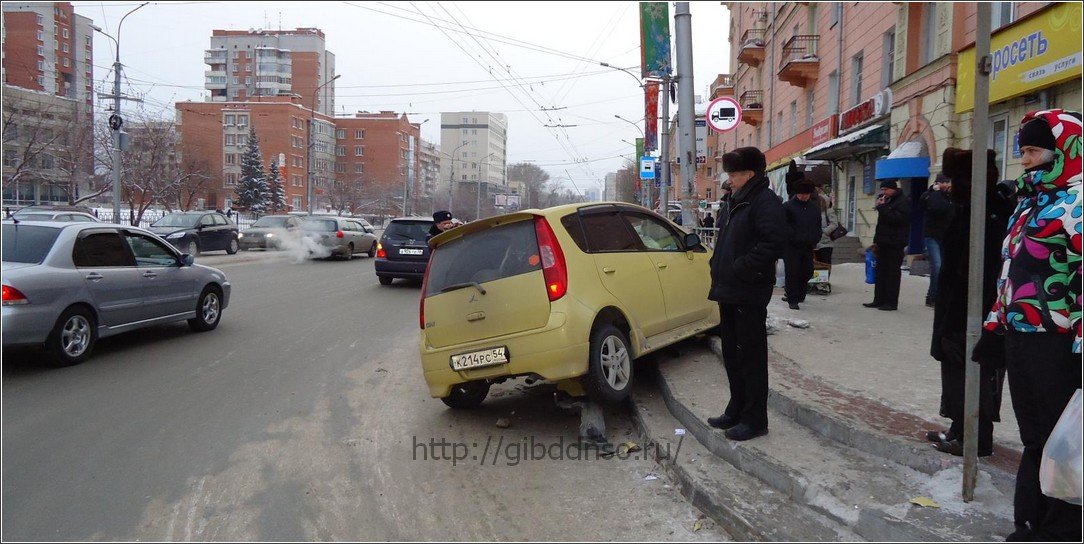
(252, 191)
(276, 201)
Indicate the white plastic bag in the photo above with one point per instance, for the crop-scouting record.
(1063, 461)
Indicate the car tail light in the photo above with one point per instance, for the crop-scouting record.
(12, 296)
(553, 260)
(339, 234)
(380, 251)
(421, 303)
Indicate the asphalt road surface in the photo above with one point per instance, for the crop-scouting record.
(304, 416)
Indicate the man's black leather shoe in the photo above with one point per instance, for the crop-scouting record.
(723, 422)
(744, 432)
(887, 308)
(872, 305)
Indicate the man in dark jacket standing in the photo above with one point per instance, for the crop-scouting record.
(804, 220)
(742, 279)
(890, 237)
(938, 215)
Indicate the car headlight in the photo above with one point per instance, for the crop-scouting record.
(240, 235)
(175, 235)
(270, 235)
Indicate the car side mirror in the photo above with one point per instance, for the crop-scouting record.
(692, 241)
(187, 260)
(369, 230)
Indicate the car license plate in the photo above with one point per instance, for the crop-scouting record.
(477, 359)
(410, 252)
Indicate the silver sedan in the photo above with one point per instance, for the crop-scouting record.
(65, 285)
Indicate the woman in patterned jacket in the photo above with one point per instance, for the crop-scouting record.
(1037, 309)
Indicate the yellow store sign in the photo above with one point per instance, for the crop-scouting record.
(1039, 52)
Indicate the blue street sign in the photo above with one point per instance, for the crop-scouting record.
(647, 168)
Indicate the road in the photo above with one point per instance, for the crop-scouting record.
(304, 416)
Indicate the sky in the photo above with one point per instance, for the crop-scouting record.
(515, 58)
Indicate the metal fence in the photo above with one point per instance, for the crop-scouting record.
(243, 221)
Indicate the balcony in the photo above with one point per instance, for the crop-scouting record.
(752, 107)
(799, 63)
(751, 49)
(722, 86)
(214, 57)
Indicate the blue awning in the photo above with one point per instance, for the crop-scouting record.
(908, 167)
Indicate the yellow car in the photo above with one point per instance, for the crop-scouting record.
(570, 294)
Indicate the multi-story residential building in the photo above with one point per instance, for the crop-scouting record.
(289, 133)
(473, 163)
(261, 63)
(47, 66)
(862, 85)
(609, 187)
(429, 163)
(380, 152)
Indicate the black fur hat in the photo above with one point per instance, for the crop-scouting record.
(745, 158)
(442, 215)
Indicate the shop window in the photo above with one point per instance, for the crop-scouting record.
(1001, 14)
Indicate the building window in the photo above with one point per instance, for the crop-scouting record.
(41, 36)
(465, 131)
(359, 168)
(340, 151)
(295, 141)
(889, 58)
(779, 127)
(359, 134)
(242, 120)
(297, 203)
(41, 65)
(1001, 14)
(248, 68)
(41, 20)
(231, 158)
(999, 139)
(41, 51)
(65, 48)
(230, 120)
(231, 179)
(295, 180)
(793, 119)
(242, 139)
(359, 150)
(809, 96)
(340, 133)
(248, 80)
(929, 30)
(231, 139)
(64, 33)
(296, 161)
(340, 168)
(88, 42)
(833, 92)
(856, 79)
(236, 80)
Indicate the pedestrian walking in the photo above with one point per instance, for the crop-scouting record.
(742, 279)
(937, 215)
(947, 343)
(1037, 310)
(829, 222)
(804, 221)
(889, 240)
(709, 221)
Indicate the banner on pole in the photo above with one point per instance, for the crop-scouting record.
(640, 147)
(651, 117)
(654, 39)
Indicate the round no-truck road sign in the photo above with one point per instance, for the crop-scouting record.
(724, 113)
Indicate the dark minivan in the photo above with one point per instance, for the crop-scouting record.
(403, 250)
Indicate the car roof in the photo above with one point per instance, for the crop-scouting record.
(413, 218)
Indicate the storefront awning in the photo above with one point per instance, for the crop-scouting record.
(910, 159)
(858, 142)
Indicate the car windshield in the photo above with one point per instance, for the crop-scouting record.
(270, 222)
(319, 224)
(408, 230)
(27, 244)
(177, 220)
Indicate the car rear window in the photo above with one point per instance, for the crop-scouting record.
(492, 254)
(326, 225)
(408, 230)
(27, 244)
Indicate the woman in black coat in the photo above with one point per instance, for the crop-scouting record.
(950, 310)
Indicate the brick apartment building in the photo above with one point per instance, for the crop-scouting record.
(47, 72)
(842, 90)
(380, 152)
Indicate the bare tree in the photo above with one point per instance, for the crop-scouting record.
(346, 194)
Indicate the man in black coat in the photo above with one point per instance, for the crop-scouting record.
(950, 312)
(742, 278)
(938, 214)
(890, 239)
(804, 220)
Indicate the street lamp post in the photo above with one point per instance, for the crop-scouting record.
(478, 189)
(310, 192)
(451, 174)
(115, 120)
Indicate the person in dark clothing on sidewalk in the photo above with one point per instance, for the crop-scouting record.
(804, 220)
(950, 312)
(889, 239)
(742, 279)
(938, 214)
(708, 222)
(1037, 310)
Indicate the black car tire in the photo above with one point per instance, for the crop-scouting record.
(467, 395)
(233, 247)
(208, 310)
(192, 248)
(350, 251)
(385, 280)
(75, 326)
(372, 250)
(607, 343)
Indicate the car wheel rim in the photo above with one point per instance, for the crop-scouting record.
(233, 246)
(616, 366)
(191, 248)
(76, 336)
(210, 308)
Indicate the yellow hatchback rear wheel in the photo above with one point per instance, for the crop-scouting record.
(609, 370)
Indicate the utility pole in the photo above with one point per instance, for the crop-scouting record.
(115, 120)
(683, 38)
(451, 175)
(979, 129)
(664, 146)
(311, 191)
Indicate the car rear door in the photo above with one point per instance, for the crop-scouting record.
(486, 284)
(624, 268)
(109, 272)
(684, 276)
(205, 230)
(168, 288)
